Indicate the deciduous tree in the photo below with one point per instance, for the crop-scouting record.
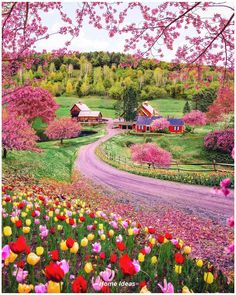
(160, 124)
(63, 128)
(195, 118)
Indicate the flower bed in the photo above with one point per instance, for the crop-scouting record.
(58, 244)
(208, 179)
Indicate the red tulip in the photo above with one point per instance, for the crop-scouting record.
(18, 223)
(106, 289)
(151, 230)
(92, 215)
(126, 265)
(52, 230)
(71, 221)
(19, 245)
(53, 272)
(179, 258)
(120, 246)
(70, 242)
(54, 255)
(142, 284)
(168, 236)
(113, 258)
(102, 255)
(79, 285)
(82, 218)
(160, 239)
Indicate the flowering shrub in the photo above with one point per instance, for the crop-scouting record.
(160, 124)
(150, 153)
(220, 140)
(55, 244)
(195, 118)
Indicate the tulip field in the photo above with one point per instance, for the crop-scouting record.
(58, 243)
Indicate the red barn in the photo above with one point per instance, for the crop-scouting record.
(83, 113)
(145, 109)
(143, 124)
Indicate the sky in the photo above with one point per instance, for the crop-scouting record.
(91, 39)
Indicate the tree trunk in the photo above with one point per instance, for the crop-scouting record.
(61, 140)
(4, 153)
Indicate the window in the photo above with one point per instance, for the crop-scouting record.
(176, 128)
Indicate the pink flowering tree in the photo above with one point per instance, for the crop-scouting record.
(223, 105)
(195, 118)
(152, 154)
(63, 128)
(31, 103)
(160, 124)
(17, 134)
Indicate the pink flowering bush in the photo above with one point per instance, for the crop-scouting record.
(151, 153)
(160, 124)
(63, 128)
(195, 118)
(220, 140)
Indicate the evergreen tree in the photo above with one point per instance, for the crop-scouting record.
(130, 103)
(69, 87)
(78, 88)
(203, 99)
(186, 108)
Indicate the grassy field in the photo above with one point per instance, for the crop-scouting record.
(56, 161)
(185, 149)
(171, 107)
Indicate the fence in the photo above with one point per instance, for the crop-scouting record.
(175, 165)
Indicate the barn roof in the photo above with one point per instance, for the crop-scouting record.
(148, 107)
(82, 106)
(142, 120)
(89, 113)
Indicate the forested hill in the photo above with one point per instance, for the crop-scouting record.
(106, 74)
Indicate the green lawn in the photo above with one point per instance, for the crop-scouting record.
(185, 149)
(96, 103)
(171, 107)
(56, 161)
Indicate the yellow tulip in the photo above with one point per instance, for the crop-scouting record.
(153, 260)
(28, 222)
(63, 245)
(130, 231)
(88, 267)
(208, 277)
(90, 237)
(141, 257)
(39, 251)
(24, 288)
(199, 262)
(144, 290)
(185, 289)
(50, 213)
(187, 249)
(32, 258)
(11, 258)
(7, 231)
(178, 269)
(165, 240)
(59, 227)
(54, 287)
(84, 242)
(4, 203)
(26, 229)
(153, 241)
(100, 226)
(111, 232)
(75, 248)
(14, 219)
(103, 237)
(23, 214)
(55, 219)
(181, 243)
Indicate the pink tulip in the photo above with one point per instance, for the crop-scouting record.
(114, 224)
(64, 265)
(119, 239)
(136, 265)
(225, 183)
(167, 288)
(41, 288)
(97, 247)
(89, 227)
(43, 231)
(147, 249)
(100, 232)
(72, 277)
(230, 221)
(97, 284)
(5, 252)
(136, 230)
(20, 274)
(125, 224)
(107, 275)
(37, 221)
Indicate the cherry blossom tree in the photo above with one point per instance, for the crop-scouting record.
(223, 105)
(152, 154)
(17, 134)
(63, 128)
(160, 124)
(195, 118)
(32, 103)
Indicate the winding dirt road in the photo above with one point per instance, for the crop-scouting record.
(189, 198)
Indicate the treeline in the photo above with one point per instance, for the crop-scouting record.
(108, 74)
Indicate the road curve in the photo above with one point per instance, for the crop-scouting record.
(190, 198)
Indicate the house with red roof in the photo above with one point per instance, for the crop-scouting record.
(83, 113)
